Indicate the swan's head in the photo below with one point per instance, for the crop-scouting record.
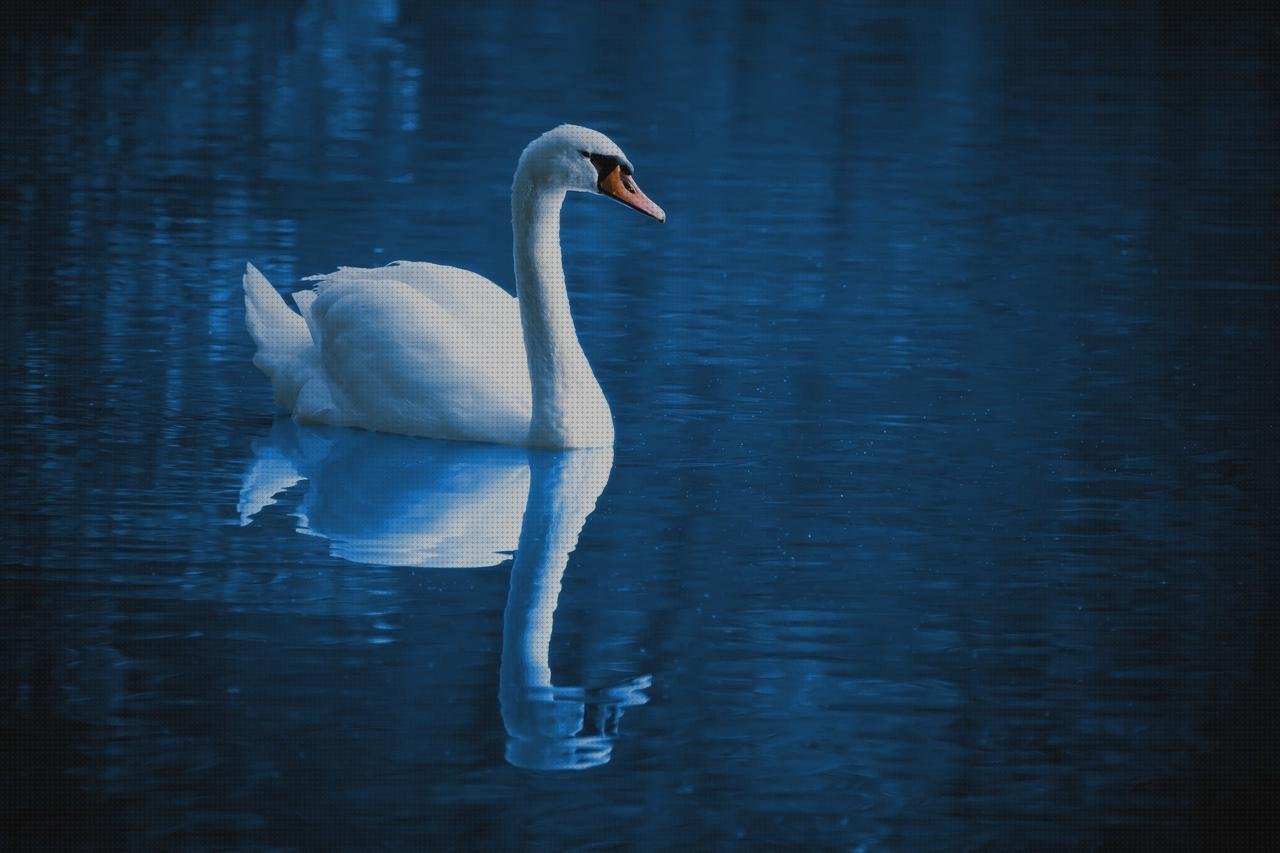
(584, 160)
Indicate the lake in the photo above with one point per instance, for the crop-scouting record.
(943, 489)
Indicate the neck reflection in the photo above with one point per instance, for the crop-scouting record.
(384, 499)
(552, 727)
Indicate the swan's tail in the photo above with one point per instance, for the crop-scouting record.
(281, 334)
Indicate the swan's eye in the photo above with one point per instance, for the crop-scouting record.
(604, 163)
(586, 154)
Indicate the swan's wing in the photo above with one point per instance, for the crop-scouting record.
(468, 298)
(441, 355)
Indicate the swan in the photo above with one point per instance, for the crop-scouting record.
(433, 351)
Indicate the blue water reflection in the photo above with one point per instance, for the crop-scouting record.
(546, 722)
(943, 501)
(388, 499)
(394, 500)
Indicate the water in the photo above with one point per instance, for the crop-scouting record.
(943, 495)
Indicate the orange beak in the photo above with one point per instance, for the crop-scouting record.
(619, 185)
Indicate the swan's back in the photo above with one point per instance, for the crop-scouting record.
(468, 298)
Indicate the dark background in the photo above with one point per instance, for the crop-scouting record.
(943, 509)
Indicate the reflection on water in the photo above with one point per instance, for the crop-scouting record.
(388, 499)
(943, 504)
(555, 726)
(394, 500)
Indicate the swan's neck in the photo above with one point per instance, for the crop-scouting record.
(569, 409)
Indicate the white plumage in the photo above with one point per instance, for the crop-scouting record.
(428, 350)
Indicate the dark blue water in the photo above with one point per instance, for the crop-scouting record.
(942, 507)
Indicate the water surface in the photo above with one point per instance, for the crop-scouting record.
(943, 490)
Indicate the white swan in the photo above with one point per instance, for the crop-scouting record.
(428, 350)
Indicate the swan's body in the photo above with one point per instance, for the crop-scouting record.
(427, 350)
(411, 348)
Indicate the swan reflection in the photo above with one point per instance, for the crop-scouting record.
(389, 499)
(548, 726)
